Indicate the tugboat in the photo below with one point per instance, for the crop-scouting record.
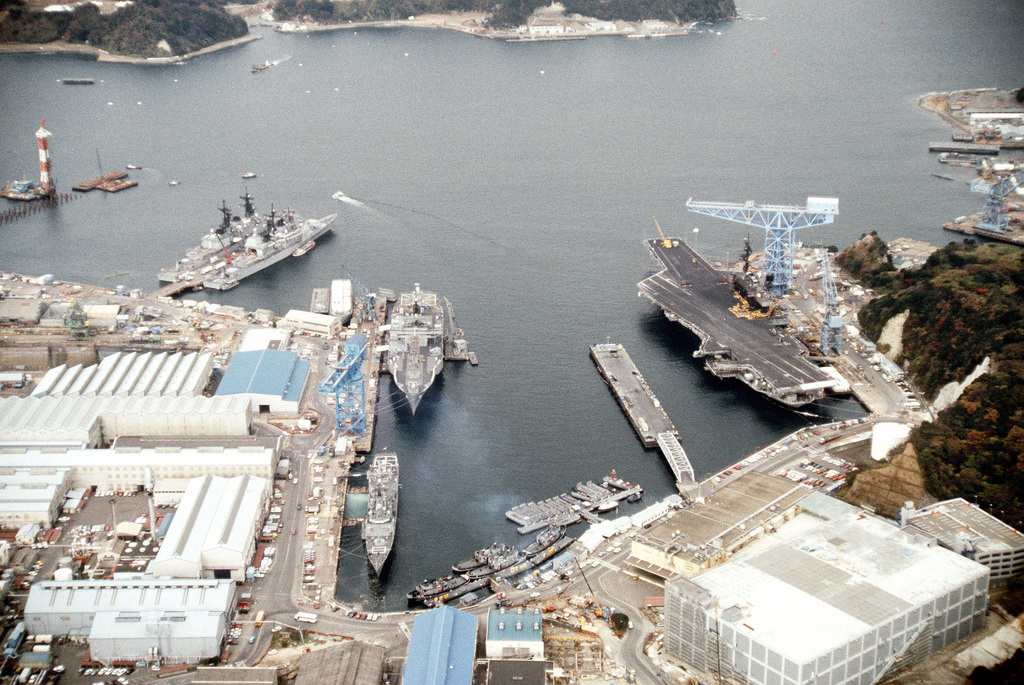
(382, 509)
(256, 68)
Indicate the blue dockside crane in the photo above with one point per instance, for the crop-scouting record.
(348, 386)
(993, 219)
(779, 222)
(830, 335)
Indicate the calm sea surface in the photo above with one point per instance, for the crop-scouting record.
(519, 181)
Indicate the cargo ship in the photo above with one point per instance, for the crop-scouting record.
(382, 509)
(415, 343)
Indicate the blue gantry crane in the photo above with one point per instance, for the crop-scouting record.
(830, 334)
(779, 222)
(993, 218)
(347, 384)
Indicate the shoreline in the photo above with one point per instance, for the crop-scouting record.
(65, 48)
(470, 23)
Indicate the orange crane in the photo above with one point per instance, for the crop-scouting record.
(665, 242)
(598, 611)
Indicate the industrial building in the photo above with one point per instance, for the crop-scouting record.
(131, 374)
(257, 339)
(442, 648)
(167, 469)
(91, 421)
(518, 672)
(213, 534)
(514, 634)
(347, 663)
(967, 529)
(323, 325)
(32, 495)
(692, 539)
(836, 596)
(155, 620)
(272, 380)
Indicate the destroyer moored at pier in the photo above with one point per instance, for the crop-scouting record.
(382, 509)
(415, 343)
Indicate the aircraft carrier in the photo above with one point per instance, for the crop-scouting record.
(751, 348)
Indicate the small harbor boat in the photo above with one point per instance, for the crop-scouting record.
(248, 174)
(306, 247)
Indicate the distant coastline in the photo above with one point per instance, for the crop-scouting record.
(544, 27)
(64, 48)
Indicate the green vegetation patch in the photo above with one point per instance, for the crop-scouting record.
(506, 13)
(966, 303)
(135, 30)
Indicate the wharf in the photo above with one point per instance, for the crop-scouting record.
(370, 327)
(565, 509)
(455, 346)
(112, 182)
(631, 390)
(1012, 235)
(965, 148)
(644, 410)
(177, 287)
(752, 350)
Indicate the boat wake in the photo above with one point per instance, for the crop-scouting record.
(342, 197)
(275, 62)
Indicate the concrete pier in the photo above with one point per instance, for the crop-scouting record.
(641, 406)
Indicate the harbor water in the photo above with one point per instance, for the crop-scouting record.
(519, 181)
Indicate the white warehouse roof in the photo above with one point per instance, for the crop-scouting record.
(131, 373)
(804, 595)
(215, 514)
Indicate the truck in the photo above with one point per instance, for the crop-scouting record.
(14, 640)
(305, 617)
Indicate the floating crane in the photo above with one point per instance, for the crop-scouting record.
(779, 222)
(830, 334)
(994, 220)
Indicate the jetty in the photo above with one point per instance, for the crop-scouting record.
(572, 507)
(644, 410)
(964, 148)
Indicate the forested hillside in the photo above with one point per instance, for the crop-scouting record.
(508, 13)
(966, 303)
(137, 29)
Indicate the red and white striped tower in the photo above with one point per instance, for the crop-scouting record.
(45, 179)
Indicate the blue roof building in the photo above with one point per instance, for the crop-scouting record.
(442, 648)
(515, 634)
(274, 379)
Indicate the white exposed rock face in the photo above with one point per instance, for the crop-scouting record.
(164, 46)
(950, 392)
(892, 334)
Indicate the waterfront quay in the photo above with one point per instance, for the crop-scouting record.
(748, 348)
(642, 408)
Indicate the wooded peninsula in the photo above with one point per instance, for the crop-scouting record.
(167, 28)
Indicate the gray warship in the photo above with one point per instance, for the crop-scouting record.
(415, 343)
(382, 509)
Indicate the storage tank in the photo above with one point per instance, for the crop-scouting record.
(341, 298)
(63, 574)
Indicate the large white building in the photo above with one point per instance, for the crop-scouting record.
(32, 495)
(168, 469)
(841, 601)
(967, 529)
(213, 534)
(324, 325)
(153, 620)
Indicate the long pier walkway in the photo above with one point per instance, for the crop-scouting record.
(644, 410)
